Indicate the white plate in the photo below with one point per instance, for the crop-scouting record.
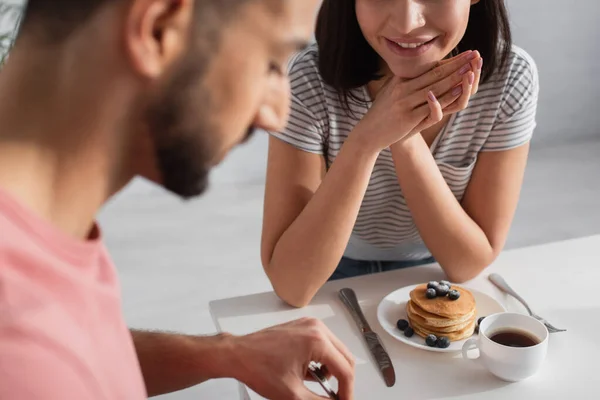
(393, 307)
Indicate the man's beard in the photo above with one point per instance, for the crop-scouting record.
(185, 141)
(184, 171)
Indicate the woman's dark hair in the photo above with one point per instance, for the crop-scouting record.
(347, 61)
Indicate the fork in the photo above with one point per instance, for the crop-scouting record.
(317, 373)
(501, 284)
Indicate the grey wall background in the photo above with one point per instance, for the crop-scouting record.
(563, 38)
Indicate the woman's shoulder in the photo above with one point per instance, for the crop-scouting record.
(308, 57)
(520, 69)
(303, 69)
(519, 56)
(513, 86)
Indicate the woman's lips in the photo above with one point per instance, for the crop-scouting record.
(409, 48)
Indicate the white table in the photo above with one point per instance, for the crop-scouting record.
(561, 282)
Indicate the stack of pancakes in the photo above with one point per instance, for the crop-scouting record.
(454, 319)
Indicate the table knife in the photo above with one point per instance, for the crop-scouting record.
(382, 358)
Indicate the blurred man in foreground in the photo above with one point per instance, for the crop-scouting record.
(95, 93)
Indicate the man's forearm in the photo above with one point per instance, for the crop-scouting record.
(171, 362)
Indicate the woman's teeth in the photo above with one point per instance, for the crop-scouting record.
(410, 45)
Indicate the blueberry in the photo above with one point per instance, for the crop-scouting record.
(446, 283)
(402, 324)
(443, 342)
(408, 332)
(442, 290)
(431, 293)
(479, 320)
(432, 285)
(431, 340)
(453, 294)
(477, 329)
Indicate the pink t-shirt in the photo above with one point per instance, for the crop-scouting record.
(62, 333)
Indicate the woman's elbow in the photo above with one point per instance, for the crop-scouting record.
(296, 300)
(463, 276)
(292, 293)
(465, 271)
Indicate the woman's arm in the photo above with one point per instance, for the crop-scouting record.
(309, 216)
(465, 238)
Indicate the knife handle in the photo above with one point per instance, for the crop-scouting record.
(349, 299)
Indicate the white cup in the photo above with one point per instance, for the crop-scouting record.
(509, 363)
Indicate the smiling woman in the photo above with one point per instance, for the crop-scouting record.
(484, 28)
(407, 143)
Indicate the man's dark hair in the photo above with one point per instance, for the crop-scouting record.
(59, 18)
(55, 20)
(347, 61)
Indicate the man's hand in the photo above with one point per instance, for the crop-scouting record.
(274, 362)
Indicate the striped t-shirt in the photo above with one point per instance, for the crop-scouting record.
(499, 117)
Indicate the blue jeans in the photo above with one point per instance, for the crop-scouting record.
(348, 268)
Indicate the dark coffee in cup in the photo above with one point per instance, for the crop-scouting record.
(514, 338)
(511, 346)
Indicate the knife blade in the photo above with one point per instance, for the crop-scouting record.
(381, 356)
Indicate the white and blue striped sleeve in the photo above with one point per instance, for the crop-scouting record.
(307, 122)
(516, 119)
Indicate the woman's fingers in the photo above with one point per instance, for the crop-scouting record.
(462, 101)
(450, 97)
(428, 114)
(441, 87)
(477, 67)
(451, 102)
(435, 109)
(439, 73)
